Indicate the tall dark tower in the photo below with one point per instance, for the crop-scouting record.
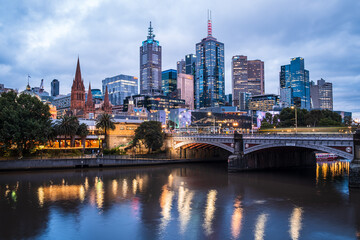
(150, 65)
(210, 72)
(55, 88)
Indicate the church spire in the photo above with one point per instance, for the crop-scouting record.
(89, 101)
(77, 92)
(106, 105)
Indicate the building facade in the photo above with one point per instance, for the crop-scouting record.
(321, 95)
(150, 65)
(180, 66)
(210, 73)
(120, 87)
(153, 103)
(244, 98)
(169, 79)
(296, 77)
(264, 102)
(185, 89)
(55, 88)
(247, 77)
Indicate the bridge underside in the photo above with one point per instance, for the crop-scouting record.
(272, 158)
(201, 151)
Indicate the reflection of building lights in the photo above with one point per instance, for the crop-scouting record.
(209, 211)
(236, 219)
(99, 189)
(124, 188)
(184, 207)
(170, 180)
(86, 184)
(114, 187)
(166, 205)
(260, 226)
(134, 185)
(295, 223)
(41, 196)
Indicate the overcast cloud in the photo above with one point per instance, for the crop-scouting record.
(44, 38)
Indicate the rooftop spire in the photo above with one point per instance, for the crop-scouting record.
(209, 24)
(151, 35)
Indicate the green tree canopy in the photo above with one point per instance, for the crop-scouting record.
(25, 122)
(150, 133)
(105, 123)
(68, 126)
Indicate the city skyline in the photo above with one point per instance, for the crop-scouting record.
(46, 46)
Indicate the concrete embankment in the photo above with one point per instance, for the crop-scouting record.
(29, 164)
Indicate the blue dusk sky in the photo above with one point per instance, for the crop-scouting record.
(44, 39)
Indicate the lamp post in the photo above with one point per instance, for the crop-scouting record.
(293, 107)
(209, 114)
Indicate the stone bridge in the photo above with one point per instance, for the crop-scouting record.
(261, 151)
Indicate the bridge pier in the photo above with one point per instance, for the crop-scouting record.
(354, 171)
(236, 160)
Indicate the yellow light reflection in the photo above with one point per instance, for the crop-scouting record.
(170, 180)
(260, 226)
(54, 193)
(236, 219)
(86, 184)
(209, 211)
(184, 207)
(295, 223)
(41, 196)
(114, 187)
(134, 186)
(124, 188)
(166, 205)
(99, 190)
(331, 169)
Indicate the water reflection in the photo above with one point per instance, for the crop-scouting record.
(209, 211)
(184, 207)
(186, 200)
(295, 223)
(236, 218)
(260, 226)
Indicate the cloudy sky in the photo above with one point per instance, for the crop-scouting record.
(44, 39)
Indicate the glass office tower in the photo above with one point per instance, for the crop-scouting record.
(210, 73)
(296, 77)
(169, 80)
(150, 65)
(119, 87)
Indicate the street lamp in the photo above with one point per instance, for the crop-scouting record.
(292, 107)
(209, 114)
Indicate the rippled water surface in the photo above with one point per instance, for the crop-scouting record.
(194, 201)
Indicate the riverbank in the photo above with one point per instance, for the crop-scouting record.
(87, 162)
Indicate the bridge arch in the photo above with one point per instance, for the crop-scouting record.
(217, 144)
(301, 145)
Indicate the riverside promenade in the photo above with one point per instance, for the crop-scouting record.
(86, 161)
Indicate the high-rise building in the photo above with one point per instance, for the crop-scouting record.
(180, 66)
(190, 64)
(321, 95)
(244, 98)
(120, 87)
(185, 89)
(247, 77)
(264, 102)
(77, 104)
(210, 74)
(150, 65)
(296, 77)
(169, 78)
(55, 88)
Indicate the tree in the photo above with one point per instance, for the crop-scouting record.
(82, 131)
(68, 126)
(105, 123)
(25, 122)
(150, 133)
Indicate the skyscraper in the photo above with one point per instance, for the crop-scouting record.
(210, 74)
(321, 95)
(120, 87)
(150, 65)
(55, 87)
(180, 66)
(190, 64)
(296, 77)
(169, 78)
(247, 77)
(185, 89)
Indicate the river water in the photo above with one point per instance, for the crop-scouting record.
(185, 201)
